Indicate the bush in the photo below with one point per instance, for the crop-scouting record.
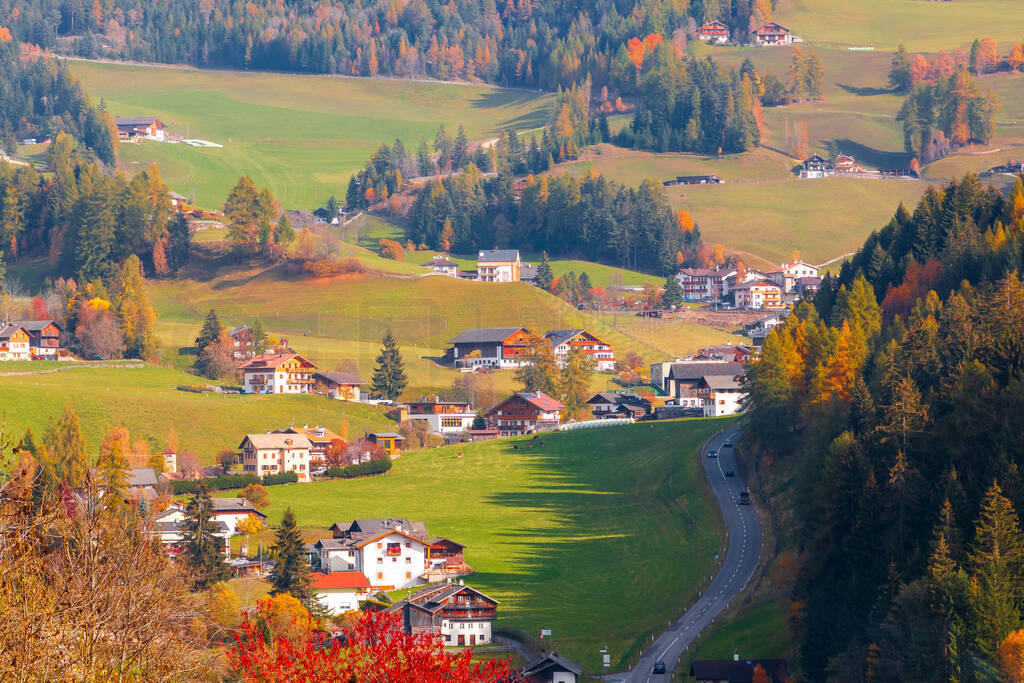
(363, 469)
(233, 481)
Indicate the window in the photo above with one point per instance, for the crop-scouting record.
(380, 560)
(394, 560)
(408, 544)
(408, 560)
(408, 575)
(380, 575)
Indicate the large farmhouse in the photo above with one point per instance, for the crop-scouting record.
(133, 127)
(773, 34)
(461, 615)
(498, 265)
(278, 373)
(714, 32)
(564, 341)
(14, 342)
(525, 413)
(497, 347)
(264, 454)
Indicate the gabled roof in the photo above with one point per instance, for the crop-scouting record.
(559, 337)
(374, 525)
(552, 660)
(431, 598)
(485, 335)
(439, 261)
(239, 505)
(720, 382)
(135, 120)
(7, 330)
(714, 24)
(387, 435)
(261, 441)
(695, 371)
(492, 255)
(269, 361)
(441, 540)
(538, 399)
(757, 283)
(339, 378)
(772, 27)
(339, 580)
(36, 325)
(142, 476)
(385, 533)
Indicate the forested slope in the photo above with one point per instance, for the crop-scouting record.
(900, 392)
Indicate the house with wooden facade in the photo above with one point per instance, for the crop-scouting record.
(564, 341)
(320, 439)
(551, 668)
(714, 32)
(459, 614)
(277, 373)
(495, 347)
(342, 386)
(390, 442)
(613, 404)
(14, 342)
(498, 265)
(44, 338)
(263, 454)
(136, 127)
(525, 413)
(771, 33)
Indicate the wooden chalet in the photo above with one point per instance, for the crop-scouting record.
(14, 342)
(525, 413)
(342, 386)
(277, 373)
(134, 127)
(496, 347)
(773, 34)
(714, 32)
(564, 341)
(461, 615)
(43, 338)
(552, 668)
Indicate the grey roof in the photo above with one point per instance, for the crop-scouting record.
(721, 382)
(697, 370)
(221, 505)
(485, 335)
(261, 441)
(36, 325)
(134, 120)
(387, 435)
(551, 660)
(558, 337)
(333, 543)
(142, 476)
(490, 255)
(7, 330)
(339, 377)
(439, 261)
(527, 273)
(375, 525)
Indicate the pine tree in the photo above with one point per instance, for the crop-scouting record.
(202, 546)
(585, 286)
(284, 233)
(292, 567)
(479, 422)
(389, 378)
(899, 71)
(673, 295)
(210, 332)
(424, 164)
(460, 149)
(179, 241)
(544, 275)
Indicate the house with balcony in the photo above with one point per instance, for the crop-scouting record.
(680, 379)
(389, 552)
(498, 265)
(525, 413)
(43, 338)
(460, 615)
(495, 347)
(758, 295)
(770, 33)
(263, 454)
(721, 394)
(714, 32)
(788, 275)
(135, 127)
(606, 405)
(14, 342)
(440, 264)
(278, 373)
(443, 417)
(342, 386)
(564, 341)
(320, 440)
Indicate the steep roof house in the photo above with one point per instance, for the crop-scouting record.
(498, 347)
(278, 373)
(526, 412)
(498, 265)
(461, 615)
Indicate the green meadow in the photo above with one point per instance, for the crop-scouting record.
(599, 535)
(301, 136)
(147, 402)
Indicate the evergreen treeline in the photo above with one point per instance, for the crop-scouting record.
(515, 42)
(85, 220)
(591, 217)
(39, 97)
(904, 418)
(938, 118)
(692, 105)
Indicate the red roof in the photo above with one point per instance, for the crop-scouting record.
(267, 361)
(340, 580)
(541, 400)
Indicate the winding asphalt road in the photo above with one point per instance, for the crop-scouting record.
(733, 574)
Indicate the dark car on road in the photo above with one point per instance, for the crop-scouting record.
(727, 444)
(730, 473)
(659, 667)
(744, 498)
(712, 453)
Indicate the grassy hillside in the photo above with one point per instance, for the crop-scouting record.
(302, 136)
(600, 536)
(146, 401)
(763, 211)
(887, 23)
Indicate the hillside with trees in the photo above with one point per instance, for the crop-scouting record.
(536, 45)
(896, 399)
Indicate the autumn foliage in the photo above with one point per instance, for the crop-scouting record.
(374, 648)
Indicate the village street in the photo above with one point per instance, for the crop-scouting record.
(735, 571)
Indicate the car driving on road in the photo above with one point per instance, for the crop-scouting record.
(659, 667)
(727, 444)
(730, 473)
(712, 453)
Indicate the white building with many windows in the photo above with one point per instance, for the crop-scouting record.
(278, 373)
(264, 454)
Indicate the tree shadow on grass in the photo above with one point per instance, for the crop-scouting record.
(866, 91)
(869, 155)
(630, 532)
(513, 98)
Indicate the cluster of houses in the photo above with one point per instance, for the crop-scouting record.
(30, 340)
(492, 265)
(767, 34)
(509, 347)
(752, 289)
(816, 166)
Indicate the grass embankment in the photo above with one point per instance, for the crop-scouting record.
(600, 535)
(760, 631)
(146, 401)
(301, 136)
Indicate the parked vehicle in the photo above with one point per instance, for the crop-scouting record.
(319, 471)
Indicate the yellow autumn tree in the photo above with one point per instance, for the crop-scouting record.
(1011, 657)
(836, 375)
(684, 220)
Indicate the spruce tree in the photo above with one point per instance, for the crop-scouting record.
(260, 339)
(332, 208)
(424, 164)
(210, 332)
(544, 274)
(673, 295)
(389, 378)
(585, 286)
(479, 422)
(284, 233)
(460, 149)
(202, 545)
(292, 567)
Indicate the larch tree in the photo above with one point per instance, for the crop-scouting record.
(113, 471)
(67, 448)
(540, 371)
(389, 378)
(574, 380)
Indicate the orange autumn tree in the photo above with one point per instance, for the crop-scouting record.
(685, 221)
(635, 49)
(1011, 657)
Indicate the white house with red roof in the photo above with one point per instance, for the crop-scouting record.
(442, 265)
(339, 592)
(526, 412)
(788, 275)
(771, 33)
(757, 295)
(389, 553)
(714, 32)
(277, 373)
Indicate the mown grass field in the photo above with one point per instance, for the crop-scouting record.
(885, 24)
(763, 212)
(599, 535)
(760, 631)
(301, 136)
(146, 401)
